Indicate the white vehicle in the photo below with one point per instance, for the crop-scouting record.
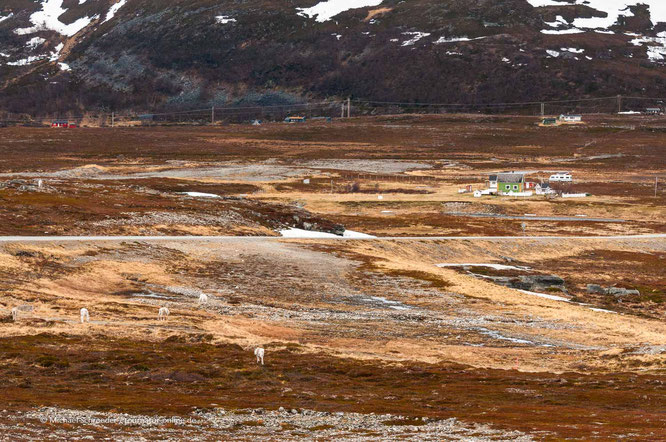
(561, 176)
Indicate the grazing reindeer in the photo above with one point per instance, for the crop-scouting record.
(203, 299)
(259, 353)
(85, 315)
(27, 308)
(163, 314)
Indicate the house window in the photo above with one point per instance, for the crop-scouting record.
(515, 187)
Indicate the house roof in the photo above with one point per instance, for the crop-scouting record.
(511, 177)
(492, 178)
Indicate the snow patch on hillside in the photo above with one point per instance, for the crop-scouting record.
(55, 55)
(656, 50)
(34, 42)
(614, 9)
(443, 40)
(113, 10)
(415, 37)
(47, 19)
(224, 19)
(26, 61)
(326, 10)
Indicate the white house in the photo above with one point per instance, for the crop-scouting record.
(561, 176)
(543, 189)
(492, 182)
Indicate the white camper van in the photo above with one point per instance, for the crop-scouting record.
(561, 176)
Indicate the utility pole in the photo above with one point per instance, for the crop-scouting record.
(619, 104)
(343, 110)
(212, 115)
(543, 109)
(349, 107)
(113, 118)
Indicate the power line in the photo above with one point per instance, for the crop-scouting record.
(518, 103)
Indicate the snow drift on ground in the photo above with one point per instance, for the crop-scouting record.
(114, 9)
(492, 266)
(613, 9)
(300, 233)
(326, 10)
(201, 195)
(48, 19)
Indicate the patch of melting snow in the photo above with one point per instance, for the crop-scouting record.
(443, 40)
(113, 10)
(353, 234)
(48, 19)
(545, 295)
(56, 52)
(416, 36)
(34, 42)
(492, 266)
(603, 310)
(559, 20)
(224, 19)
(326, 10)
(610, 12)
(562, 32)
(293, 232)
(26, 61)
(200, 195)
(656, 50)
(573, 50)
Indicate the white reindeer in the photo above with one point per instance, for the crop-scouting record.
(203, 299)
(163, 314)
(85, 315)
(15, 311)
(259, 353)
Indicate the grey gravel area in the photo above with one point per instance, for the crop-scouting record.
(265, 171)
(222, 219)
(248, 424)
(370, 166)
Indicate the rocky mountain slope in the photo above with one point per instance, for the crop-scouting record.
(69, 55)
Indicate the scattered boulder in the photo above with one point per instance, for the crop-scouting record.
(614, 291)
(541, 282)
(619, 292)
(596, 289)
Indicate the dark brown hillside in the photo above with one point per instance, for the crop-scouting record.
(175, 55)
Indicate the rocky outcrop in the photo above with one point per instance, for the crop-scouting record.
(618, 292)
(532, 283)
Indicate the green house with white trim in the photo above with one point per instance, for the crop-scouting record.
(510, 182)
